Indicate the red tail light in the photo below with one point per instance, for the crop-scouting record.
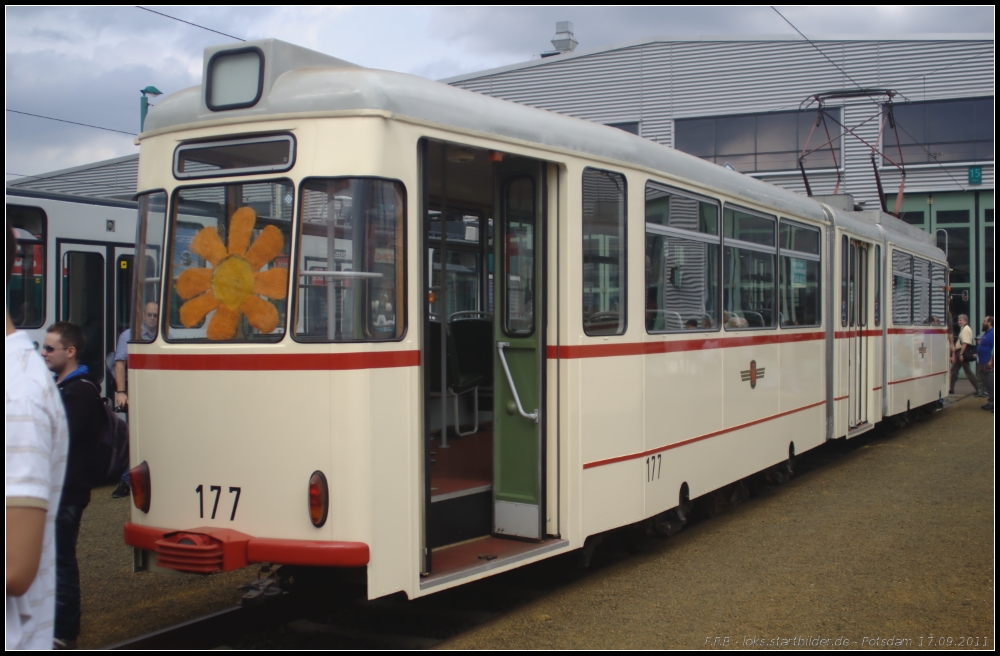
(139, 480)
(319, 499)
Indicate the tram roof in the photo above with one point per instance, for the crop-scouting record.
(299, 81)
(302, 81)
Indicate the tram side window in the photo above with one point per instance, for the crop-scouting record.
(800, 275)
(604, 284)
(26, 290)
(682, 261)
(902, 284)
(921, 292)
(749, 269)
(939, 302)
(146, 265)
(350, 276)
(228, 262)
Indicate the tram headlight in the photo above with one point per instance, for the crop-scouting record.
(139, 481)
(319, 499)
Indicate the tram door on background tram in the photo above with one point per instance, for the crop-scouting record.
(81, 292)
(857, 334)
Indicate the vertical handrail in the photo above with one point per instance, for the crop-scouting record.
(533, 416)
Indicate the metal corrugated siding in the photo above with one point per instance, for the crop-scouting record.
(663, 80)
(116, 180)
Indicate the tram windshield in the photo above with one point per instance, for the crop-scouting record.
(149, 231)
(350, 284)
(228, 262)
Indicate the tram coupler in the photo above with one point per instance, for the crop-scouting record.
(269, 585)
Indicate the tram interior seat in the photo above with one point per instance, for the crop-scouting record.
(473, 337)
(754, 319)
(459, 382)
(673, 320)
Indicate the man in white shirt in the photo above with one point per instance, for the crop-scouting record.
(964, 342)
(36, 439)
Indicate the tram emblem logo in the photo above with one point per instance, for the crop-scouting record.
(752, 374)
(922, 349)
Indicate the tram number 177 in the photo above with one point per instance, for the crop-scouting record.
(654, 466)
(215, 505)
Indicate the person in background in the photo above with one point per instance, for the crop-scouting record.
(64, 343)
(965, 341)
(150, 317)
(984, 358)
(36, 440)
(986, 326)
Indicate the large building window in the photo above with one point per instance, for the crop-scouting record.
(754, 143)
(941, 131)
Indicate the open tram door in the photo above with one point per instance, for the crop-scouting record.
(482, 356)
(81, 294)
(858, 336)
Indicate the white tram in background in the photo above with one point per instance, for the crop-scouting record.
(435, 335)
(75, 263)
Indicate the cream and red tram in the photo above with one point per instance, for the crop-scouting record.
(436, 335)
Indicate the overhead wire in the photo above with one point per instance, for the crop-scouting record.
(181, 20)
(62, 120)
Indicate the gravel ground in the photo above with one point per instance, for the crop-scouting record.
(115, 603)
(891, 541)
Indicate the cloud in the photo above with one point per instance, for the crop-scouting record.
(87, 64)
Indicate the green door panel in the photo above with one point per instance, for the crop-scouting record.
(519, 325)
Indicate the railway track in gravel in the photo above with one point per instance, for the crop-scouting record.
(337, 615)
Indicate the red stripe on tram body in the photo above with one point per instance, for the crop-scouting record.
(634, 456)
(844, 334)
(275, 362)
(906, 380)
(676, 346)
(918, 331)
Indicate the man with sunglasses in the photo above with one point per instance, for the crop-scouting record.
(64, 343)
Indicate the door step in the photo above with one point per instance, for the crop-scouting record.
(476, 557)
(859, 429)
(458, 515)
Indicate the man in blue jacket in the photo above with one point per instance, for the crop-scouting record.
(64, 343)
(984, 358)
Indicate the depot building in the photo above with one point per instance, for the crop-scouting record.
(805, 115)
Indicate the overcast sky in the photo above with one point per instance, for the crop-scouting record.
(88, 64)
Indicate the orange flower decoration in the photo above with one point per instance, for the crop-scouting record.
(232, 285)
